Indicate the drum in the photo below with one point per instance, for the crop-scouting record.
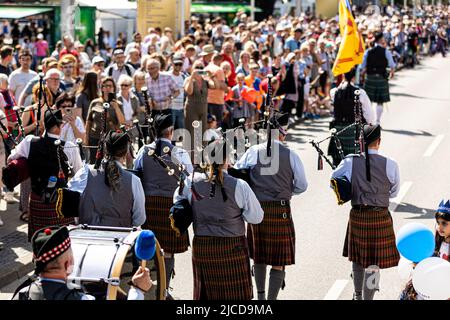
(105, 262)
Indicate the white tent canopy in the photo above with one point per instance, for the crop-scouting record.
(122, 8)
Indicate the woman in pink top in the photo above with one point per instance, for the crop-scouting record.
(42, 50)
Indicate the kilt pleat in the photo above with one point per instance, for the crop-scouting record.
(370, 239)
(377, 88)
(272, 242)
(43, 215)
(157, 211)
(221, 268)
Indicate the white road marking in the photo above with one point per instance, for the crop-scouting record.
(434, 146)
(404, 188)
(336, 290)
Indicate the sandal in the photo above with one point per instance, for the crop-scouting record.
(24, 217)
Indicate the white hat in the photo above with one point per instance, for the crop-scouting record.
(290, 56)
(97, 59)
(40, 36)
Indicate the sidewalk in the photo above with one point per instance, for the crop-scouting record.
(16, 255)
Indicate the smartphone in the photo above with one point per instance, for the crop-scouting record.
(69, 111)
(202, 72)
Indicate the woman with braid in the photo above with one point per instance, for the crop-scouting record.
(110, 195)
(221, 205)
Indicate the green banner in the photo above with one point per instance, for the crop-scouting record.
(85, 23)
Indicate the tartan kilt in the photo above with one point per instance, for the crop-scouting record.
(370, 239)
(347, 139)
(43, 215)
(157, 210)
(221, 268)
(272, 242)
(377, 88)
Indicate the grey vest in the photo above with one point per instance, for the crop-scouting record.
(214, 217)
(156, 181)
(100, 206)
(376, 192)
(279, 185)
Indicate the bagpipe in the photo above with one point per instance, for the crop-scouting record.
(340, 185)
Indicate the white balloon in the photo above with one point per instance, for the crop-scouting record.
(405, 268)
(431, 279)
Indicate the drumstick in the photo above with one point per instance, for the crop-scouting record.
(145, 246)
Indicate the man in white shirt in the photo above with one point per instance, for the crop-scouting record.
(178, 102)
(19, 78)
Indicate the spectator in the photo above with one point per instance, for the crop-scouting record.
(6, 56)
(84, 58)
(53, 79)
(162, 88)
(67, 65)
(58, 48)
(178, 102)
(94, 119)
(73, 127)
(216, 96)
(294, 42)
(88, 91)
(19, 78)
(42, 49)
(244, 66)
(227, 53)
(134, 58)
(119, 66)
(130, 102)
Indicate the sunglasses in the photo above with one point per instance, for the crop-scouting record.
(107, 86)
(125, 85)
(178, 64)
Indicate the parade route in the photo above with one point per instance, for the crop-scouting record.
(415, 133)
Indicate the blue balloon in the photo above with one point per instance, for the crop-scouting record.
(415, 242)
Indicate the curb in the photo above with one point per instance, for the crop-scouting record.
(15, 271)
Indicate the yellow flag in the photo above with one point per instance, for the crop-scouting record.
(351, 50)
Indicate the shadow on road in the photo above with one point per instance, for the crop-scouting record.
(409, 133)
(423, 213)
(407, 95)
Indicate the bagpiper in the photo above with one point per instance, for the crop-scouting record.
(275, 175)
(375, 63)
(51, 162)
(351, 104)
(221, 204)
(157, 163)
(370, 240)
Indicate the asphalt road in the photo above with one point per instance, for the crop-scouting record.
(416, 133)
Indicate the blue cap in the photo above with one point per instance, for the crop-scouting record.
(444, 207)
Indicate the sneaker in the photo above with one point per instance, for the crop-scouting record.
(9, 198)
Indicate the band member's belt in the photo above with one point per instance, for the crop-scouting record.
(282, 203)
(368, 208)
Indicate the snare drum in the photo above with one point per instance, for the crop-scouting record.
(105, 262)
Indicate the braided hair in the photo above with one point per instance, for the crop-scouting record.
(112, 169)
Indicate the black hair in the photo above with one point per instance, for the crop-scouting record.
(350, 75)
(438, 239)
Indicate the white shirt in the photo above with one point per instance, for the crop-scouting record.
(178, 102)
(67, 133)
(22, 150)
(18, 80)
(244, 196)
(211, 133)
(250, 159)
(393, 173)
(127, 108)
(367, 109)
(79, 183)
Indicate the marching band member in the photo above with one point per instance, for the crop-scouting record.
(54, 260)
(273, 241)
(159, 188)
(49, 169)
(370, 241)
(220, 254)
(343, 98)
(375, 62)
(110, 195)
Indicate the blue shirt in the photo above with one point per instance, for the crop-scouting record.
(388, 55)
(292, 44)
